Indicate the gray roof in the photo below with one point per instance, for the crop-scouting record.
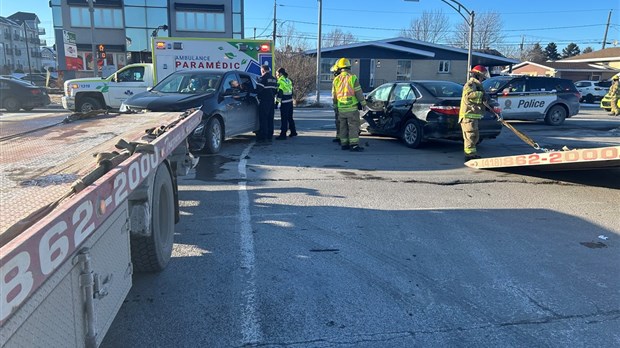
(21, 17)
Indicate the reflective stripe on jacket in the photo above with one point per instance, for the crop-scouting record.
(285, 90)
(471, 101)
(347, 92)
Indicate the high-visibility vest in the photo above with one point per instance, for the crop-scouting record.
(471, 102)
(344, 87)
(285, 90)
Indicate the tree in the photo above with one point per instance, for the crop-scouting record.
(337, 37)
(587, 50)
(535, 54)
(487, 31)
(301, 69)
(289, 39)
(431, 27)
(551, 51)
(571, 50)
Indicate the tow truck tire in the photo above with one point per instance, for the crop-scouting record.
(89, 104)
(412, 133)
(555, 116)
(11, 104)
(213, 133)
(152, 253)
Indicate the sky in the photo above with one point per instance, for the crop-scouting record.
(561, 21)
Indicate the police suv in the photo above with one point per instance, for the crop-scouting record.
(534, 97)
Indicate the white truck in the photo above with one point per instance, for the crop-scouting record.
(72, 229)
(169, 55)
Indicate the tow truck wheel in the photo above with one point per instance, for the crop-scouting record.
(152, 253)
(88, 104)
(213, 133)
(412, 133)
(555, 116)
(11, 104)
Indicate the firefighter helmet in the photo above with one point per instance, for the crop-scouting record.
(480, 71)
(616, 77)
(343, 63)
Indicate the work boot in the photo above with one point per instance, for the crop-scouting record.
(281, 137)
(345, 147)
(293, 134)
(356, 148)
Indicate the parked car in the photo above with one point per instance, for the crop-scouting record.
(592, 90)
(227, 99)
(415, 111)
(16, 94)
(41, 80)
(534, 97)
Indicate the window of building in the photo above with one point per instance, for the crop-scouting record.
(156, 17)
(200, 21)
(444, 66)
(136, 16)
(137, 39)
(403, 70)
(104, 17)
(57, 16)
(326, 65)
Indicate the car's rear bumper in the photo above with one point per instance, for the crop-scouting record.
(450, 129)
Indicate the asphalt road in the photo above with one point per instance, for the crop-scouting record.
(301, 244)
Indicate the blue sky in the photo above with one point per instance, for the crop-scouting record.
(544, 21)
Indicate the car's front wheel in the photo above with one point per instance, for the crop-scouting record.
(412, 133)
(214, 135)
(88, 104)
(555, 116)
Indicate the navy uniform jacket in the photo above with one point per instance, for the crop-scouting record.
(266, 88)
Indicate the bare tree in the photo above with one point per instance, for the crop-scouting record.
(535, 54)
(337, 37)
(487, 31)
(431, 27)
(290, 39)
(301, 69)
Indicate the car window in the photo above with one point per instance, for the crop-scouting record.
(231, 81)
(133, 74)
(171, 84)
(381, 94)
(246, 83)
(495, 83)
(538, 85)
(562, 85)
(582, 84)
(605, 84)
(402, 91)
(443, 89)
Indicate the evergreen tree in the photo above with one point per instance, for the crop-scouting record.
(551, 51)
(571, 50)
(587, 50)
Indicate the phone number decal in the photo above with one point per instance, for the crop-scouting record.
(28, 260)
(583, 155)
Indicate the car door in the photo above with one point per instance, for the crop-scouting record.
(231, 104)
(400, 101)
(510, 96)
(125, 83)
(377, 102)
(249, 102)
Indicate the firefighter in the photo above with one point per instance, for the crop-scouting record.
(285, 99)
(347, 94)
(614, 93)
(334, 70)
(266, 89)
(472, 109)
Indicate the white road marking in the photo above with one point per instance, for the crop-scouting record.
(250, 325)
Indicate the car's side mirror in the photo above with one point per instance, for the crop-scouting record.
(370, 99)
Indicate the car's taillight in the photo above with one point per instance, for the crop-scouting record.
(35, 91)
(497, 110)
(446, 110)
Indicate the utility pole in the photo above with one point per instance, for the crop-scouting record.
(318, 57)
(274, 25)
(254, 33)
(606, 29)
(521, 47)
(91, 8)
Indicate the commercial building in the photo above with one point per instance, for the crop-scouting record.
(124, 27)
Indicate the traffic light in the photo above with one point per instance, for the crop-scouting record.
(101, 51)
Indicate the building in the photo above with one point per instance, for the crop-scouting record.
(125, 27)
(607, 57)
(48, 58)
(20, 46)
(377, 62)
(565, 69)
